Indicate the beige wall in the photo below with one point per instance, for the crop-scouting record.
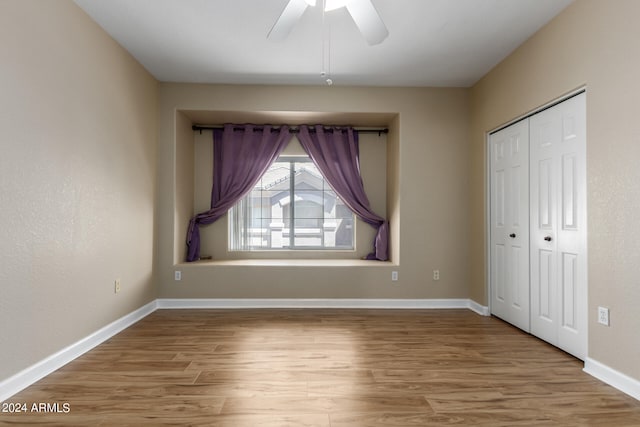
(183, 197)
(426, 194)
(592, 43)
(77, 180)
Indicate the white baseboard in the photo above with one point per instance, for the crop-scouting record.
(30, 375)
(232, 303)
(614, 378)
(482, 310)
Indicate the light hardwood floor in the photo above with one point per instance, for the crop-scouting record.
(325, 368)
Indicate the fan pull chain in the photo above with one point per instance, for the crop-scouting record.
(326, 42)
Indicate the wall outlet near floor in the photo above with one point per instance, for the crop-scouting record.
(177, 275)
(394, 276)
(436, 274)
(603, 316)
(116, 286)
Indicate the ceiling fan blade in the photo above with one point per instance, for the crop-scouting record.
(368, 20)
(287, 20)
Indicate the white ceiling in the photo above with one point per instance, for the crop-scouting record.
(449, 43)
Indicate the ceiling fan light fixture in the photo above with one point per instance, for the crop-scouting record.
(363, 13)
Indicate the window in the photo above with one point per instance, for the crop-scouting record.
(291, 207)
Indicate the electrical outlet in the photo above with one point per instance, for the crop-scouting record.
(116, 287)
(394, 276)
(177, 275)
(436, 274)
(603, 316)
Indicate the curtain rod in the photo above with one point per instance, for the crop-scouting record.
(379, 131)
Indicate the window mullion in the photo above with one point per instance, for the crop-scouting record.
(265, 235)
(292, 209)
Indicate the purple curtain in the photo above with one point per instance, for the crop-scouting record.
(241, 155)
(336, 155)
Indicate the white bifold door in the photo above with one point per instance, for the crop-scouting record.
(559, 226)
(510, 224)
(551, 301)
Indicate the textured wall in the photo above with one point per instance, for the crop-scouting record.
(591, 43)
(77, 180)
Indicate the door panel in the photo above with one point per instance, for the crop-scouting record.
(500, 293)
(558, 225)
(545, 194)
(543, 301)
(509, 216)
(499, 202)
(516, 198)
(569, 192)
(569, 290)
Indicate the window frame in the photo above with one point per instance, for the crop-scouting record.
(291, 246)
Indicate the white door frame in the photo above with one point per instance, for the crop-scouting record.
(487, 186)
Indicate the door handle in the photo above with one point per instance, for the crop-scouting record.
(512, 235)
(548, 238)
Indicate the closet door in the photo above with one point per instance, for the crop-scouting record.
(558, 226)
(509, 234)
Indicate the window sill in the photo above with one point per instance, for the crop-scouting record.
(291, 263)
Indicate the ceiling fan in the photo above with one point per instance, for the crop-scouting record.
(363, 13)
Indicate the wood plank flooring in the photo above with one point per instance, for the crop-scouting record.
(337, 368)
